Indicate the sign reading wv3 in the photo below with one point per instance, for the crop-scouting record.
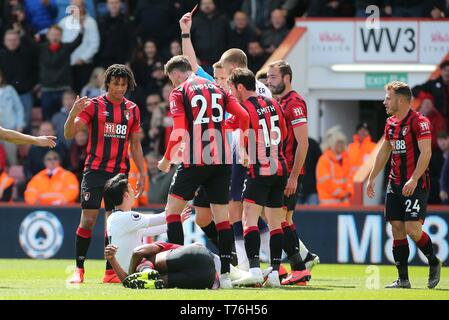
(395, 42)
(351, 41)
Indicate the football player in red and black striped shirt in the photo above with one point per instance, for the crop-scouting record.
(266, 177)
(113, 124)
(408, 140)
(198, 107)
(295, 148)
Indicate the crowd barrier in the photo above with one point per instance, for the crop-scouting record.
(338, 235)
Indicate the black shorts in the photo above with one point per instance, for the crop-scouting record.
(92, 190)
(201, 200)
(190, 267)
(214, 178)
(400, 208)
(290, 202)
(266, 191)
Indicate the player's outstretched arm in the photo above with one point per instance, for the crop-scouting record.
(381, 160)
(16, 137)
(73, 124)
(187, 46)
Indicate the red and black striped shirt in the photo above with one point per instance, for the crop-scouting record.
(295, 112)
(198, 108)
(266, 135)
(404, 136)
(110, 125)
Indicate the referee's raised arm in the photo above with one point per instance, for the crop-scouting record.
(185, 24)
(72, 125)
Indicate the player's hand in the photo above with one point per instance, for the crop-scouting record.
(443, 195)
(185, 214)
(290, 188)
(79, 105)
(164, 165)
(110, 251)
(409, 187)
(140, 186)
(46, 141)
(185, 23)
(370, 191)
(243, 158)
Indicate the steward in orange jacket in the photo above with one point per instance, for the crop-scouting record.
(361, 148)
(334, 184)
(53, 185)
(6, 185)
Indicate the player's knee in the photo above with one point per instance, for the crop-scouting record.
(203, 218)
(88, 223)
(413, 232)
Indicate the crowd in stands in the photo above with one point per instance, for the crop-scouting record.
(53, 50)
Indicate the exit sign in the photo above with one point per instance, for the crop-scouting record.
(376, 80)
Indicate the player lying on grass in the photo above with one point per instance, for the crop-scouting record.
(166, 265)
(125, 227)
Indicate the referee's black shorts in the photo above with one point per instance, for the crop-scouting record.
(92, 189)
(213, 178)
(190, 267)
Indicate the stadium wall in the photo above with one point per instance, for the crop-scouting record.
(338, 235)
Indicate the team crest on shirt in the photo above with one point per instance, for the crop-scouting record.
(136, 216)
(405, 130)
(86, 196)
(126, 113)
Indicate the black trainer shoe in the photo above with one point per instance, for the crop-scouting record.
(434, 275)
(399, 284)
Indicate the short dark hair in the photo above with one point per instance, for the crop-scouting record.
(400, 88)
(444, 64)
(284, 68)
(180, 63)
(119, 71)
(243, 76)
(115, 188)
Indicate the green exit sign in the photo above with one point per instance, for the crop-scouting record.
(375, 80)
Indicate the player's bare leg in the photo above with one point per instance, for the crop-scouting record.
(83, 236)
(203, 218)
(401, 253)
(225, 241)
(310, 259)
(251, 213)
(424, 243)
(175, 233)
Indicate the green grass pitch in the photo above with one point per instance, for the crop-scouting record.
(46, 279)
